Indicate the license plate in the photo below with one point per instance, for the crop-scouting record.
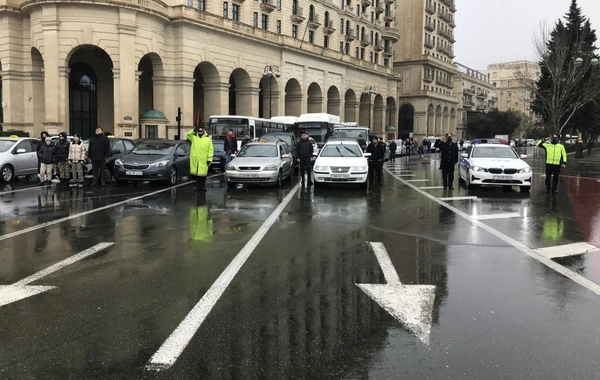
(340, 176)
(249, 175)
(216, 158)
(134, 172)
(503, 177)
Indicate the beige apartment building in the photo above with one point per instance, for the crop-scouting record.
(424, 56)
(477, 96)
(512, 94)
(74, 65)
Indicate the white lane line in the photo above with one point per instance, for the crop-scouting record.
(431, 187)
(404, 175)
(172, 348)
(418, 180)
(56, 221)
(566, 250)
(19, 190)
(61, 264)
(458, 198)
(590, 285)
(505, 215)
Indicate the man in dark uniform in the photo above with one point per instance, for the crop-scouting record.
(393, 148)
(304, 152)
(376, 161)
(449, 158)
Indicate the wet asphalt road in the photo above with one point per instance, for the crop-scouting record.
(293, 310)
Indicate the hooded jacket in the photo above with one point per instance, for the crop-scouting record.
(43, 136)
(47, 153)
(77, 152)
(62, 148)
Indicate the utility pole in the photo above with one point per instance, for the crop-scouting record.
(178, 118)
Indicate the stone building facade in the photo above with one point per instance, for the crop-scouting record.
(72, 66)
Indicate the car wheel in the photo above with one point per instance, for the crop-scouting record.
(107, 175)
(8, 173)
(222, 167)
(172, 175)
(525, 189)
(231, 185)
(470, 186)
(279, 182)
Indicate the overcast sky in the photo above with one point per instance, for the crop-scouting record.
(491, 31)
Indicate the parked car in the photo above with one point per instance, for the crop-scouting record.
(218, 160)
(155, 160)
(118, 148)
(400, 148)
(261, 163)
(17, 157)
(288, 138)
(494, 165)
(341, 161)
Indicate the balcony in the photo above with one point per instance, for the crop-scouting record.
(365, 3)
(379, 6)
(447, 17)
(390, 33)
(388, 53)
(389, 17)
(378, 46)
(428, 44)
(390, 2)
(494, 99)
(481, 94)
(350, 36)
(364, 42)
(313, 22)
(328, 28)
(298, 15)
(428, 78)
(446, 35)
(470, 91)
(429, 9)
(449, 4)
(447, 51)
(444, 83)
(267, 6)
(430, 26)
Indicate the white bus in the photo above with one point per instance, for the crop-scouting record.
(289, 122)
(318, 125)
(219, 125)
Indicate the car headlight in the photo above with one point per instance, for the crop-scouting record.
(159, 164)
(478, 169)
(358, 168)
(321, 168)
(230, 167)
(525, 170)
(118, 162)
(270, 168)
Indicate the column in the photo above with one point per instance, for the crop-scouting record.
(126, 85)
(53, 122)
(183, 96)
(12, 96)
(246, 100)
(216, 99)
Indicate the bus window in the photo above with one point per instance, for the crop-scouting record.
(218, 127)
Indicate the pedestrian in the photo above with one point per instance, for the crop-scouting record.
(304, 154)
(375, 162)
(77, 157)
(62, 158)
(39, 144)
(230, 147)
(448, 159)
(246, 140)
(462, 144)
(393, 146)
(47, 158)
(556, 158)
(99, 152)
(590, 145)
(200, 156)
(383, 146)
(362, 142)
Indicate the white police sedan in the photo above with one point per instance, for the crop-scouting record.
(494, 165)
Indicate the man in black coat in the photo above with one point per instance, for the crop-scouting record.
(376, 161)
(304, 154)
(393, 148)
(449, 159)
(98, 153)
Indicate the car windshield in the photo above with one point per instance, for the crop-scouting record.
(218, 144)
(154, 147)
(272, 138)
(6, 145)
(258, 151)
(341, 150)
(494, 152)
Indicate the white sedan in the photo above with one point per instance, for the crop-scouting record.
(341, 161)
(494, 165)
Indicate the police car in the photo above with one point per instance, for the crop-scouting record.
(494, 165)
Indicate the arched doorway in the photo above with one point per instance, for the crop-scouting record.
(293, 98)
(150, 65)
(350, 106)
(438, 121)
(315, 98)
(365, 110)
(206, 80)
(406, 121)
(430, 121)
(38, 101)
(268, 101)
(240, 93)
(333, 101)
(378, 115)
(90, 88)
(390, 112)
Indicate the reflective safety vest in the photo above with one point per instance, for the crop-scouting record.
(555, 153)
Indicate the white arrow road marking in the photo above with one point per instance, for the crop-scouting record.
(20, 289)
(566, 250)
(412, 305)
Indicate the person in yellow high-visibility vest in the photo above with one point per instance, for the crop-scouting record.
(556, 158)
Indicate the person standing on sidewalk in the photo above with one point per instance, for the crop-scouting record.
(77, 157)
(201, 155)
(99, 152)
(62, 158)
(47, 158)
(448, 160)
(304, 154)
(230, 147)
(393, 148)
(556, 158)
(376, 162)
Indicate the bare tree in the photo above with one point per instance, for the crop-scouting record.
(572, 85)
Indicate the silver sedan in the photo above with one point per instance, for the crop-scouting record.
(261, 163)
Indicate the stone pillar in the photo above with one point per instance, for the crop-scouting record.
(126, 84)
(246, 101)
(216, 99)
(420, 125)
(53, 122)
(12, 95)
(183, 96)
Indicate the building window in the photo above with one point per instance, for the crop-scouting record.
(278, 26)
(311, 13)
(357, 32)
(326, 42)
(372, 17)
(311, 37)
(386, 62)
(342, 47)
(371, 39)
(508, 84)
(341, 4)
(509, 94)
(264, 22)
(255, 23)
(225, 9)
(377, 58)
(294, 7)
(342, 26)
(294, 31)
(362, 53)
(356, 52)
(201, 4)
(508, 104)
(326, 24)
(235, 12)
(371, 56)
(347, 48)
(358, 11)
(278, 5)
(151, 131)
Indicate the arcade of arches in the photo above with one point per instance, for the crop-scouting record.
(90, 91)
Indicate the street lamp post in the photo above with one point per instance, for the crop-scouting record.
(579, 148)
(370, 90)
(270, 72)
